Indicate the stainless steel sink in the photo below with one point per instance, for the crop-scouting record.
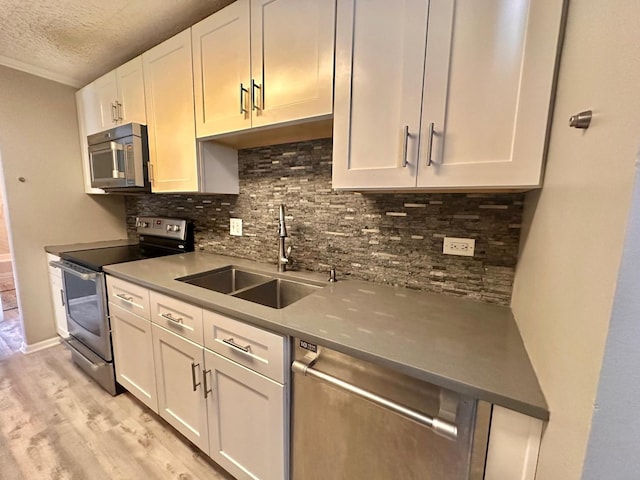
(227, 279)
(264, 289)
(277, 293)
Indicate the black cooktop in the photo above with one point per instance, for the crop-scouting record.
(96, 258)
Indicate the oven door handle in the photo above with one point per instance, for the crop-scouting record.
(65, 268)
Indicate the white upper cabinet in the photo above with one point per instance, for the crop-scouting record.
(380, 51)
(120, 95)
(222, 70)
(291, 59)
(483, 101)
(168, 81)
(262, 63)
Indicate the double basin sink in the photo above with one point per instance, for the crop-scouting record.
(261, 288)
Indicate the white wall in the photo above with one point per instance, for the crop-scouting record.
(39, 141)
(574, 228)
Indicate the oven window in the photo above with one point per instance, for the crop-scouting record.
(83, 304)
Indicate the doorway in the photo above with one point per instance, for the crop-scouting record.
(11, 337)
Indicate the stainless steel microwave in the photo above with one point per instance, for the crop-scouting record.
(119, 159)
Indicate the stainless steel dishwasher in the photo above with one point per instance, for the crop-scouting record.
(353, 420)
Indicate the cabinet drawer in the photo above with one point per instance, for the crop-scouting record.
(177, 316)
(257, 349)
(128, 296)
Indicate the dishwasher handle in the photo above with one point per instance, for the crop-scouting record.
(442, 427)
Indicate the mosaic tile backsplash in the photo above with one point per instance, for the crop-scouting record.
(394, 239)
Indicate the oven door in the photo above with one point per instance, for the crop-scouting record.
(86, 306)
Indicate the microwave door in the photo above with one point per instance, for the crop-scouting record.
(107, 165)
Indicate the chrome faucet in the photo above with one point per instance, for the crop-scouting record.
(283, 254)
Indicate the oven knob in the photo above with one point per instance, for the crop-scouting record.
(145, 224)
(168, 227)
(176, 228)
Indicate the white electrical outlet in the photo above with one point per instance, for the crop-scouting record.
(235, 227)
(459, 246)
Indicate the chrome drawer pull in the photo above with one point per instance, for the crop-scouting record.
(193, 375)
(122, 296)
(229, 341)
(168, 316)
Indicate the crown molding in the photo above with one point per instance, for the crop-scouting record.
(40, 72)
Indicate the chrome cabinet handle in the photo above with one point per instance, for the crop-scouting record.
(62, 297)
(119, 110)
(122, 296)
(229, 341)
(254, 85)
(193, 375)
(206, 389)
(430, 143)
(405, 141)
(151, 176)
(114, 113)
(242, 101)
(168, 316)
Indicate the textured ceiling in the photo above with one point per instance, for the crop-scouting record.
(76, 41)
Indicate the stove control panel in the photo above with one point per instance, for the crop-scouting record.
(175, 228)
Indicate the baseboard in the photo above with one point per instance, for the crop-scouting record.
(35, 347)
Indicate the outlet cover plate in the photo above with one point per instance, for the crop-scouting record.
(459, 246)
(235, 227)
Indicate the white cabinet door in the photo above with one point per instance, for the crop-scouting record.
(133, 355)
(179, 379)
(490, 69)
(380, 49)
(89, 122)
(484, 84)
(107, 95)
(168, 79)
(291, 59)
(222, 71)
(130, 99)
(247, 427)
(57, 297)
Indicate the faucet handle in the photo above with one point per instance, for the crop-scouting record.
(288, 251)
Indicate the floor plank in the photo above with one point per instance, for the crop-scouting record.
(56, 424)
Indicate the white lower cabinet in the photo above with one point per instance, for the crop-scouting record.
(232, 403)
(57, 297)
(246, 420)
(133, 355)
(179, 378)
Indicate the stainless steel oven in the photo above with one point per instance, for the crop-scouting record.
(89, 339)
(85, 295)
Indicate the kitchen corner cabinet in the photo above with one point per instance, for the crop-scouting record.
(455, 95)
(168, 81)
(57, 297)
(263, 62)
(120, 95)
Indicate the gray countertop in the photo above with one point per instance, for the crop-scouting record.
(467, 346)
(58, 249)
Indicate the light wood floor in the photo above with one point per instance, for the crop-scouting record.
(55, 423)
